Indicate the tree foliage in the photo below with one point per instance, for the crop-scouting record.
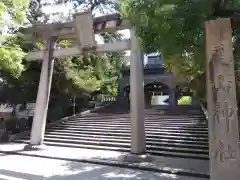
(75, 76)
(12, 15)
(175, 28)
(103, 6)
(12, 12)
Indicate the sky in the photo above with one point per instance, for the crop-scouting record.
(66, 10)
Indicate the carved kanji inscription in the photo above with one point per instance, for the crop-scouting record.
(225, 153)
(228, 113)
(217, 113)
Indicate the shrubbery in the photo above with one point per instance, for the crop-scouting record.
(15, 125)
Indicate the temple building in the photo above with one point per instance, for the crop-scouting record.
(156, 80)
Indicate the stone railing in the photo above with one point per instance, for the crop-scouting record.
(104, 98)
(108, 99)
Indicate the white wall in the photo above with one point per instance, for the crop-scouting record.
(29, 111)
(4, 108)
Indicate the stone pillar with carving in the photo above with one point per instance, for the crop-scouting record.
(222, 103)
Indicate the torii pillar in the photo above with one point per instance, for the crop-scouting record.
(138, 142)
(41, 108)
(222, 103)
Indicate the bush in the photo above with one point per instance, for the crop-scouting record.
(12, 125)
(15, 125)
(185, 100)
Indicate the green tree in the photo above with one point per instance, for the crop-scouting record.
(73, 76)
(13, 11)
(175, 28)
(12, 15)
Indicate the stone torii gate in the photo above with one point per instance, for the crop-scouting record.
(83, 29)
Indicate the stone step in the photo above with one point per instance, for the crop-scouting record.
(113, 126)
(147, 130)
(125, 120)
(121, 134)
(151, 111)
(150, 131)
(165, 111)
(164, 140)
(161, 127)
(125, 107)
(148, 110)
(153, 152)
(177, 110)
(182, 134)
(193, 127)
(125, 145)
(181, 111)
(121, 140)
(113, 117)
(128, 122)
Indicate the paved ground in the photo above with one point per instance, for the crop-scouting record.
(163, 164)
(20, 167)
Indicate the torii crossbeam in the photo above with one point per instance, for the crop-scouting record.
(74, 29)
(83, 30)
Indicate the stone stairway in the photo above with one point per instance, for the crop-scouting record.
(182, 134)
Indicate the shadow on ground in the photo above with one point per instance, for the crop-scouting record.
(82, 171)
(15, 167)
